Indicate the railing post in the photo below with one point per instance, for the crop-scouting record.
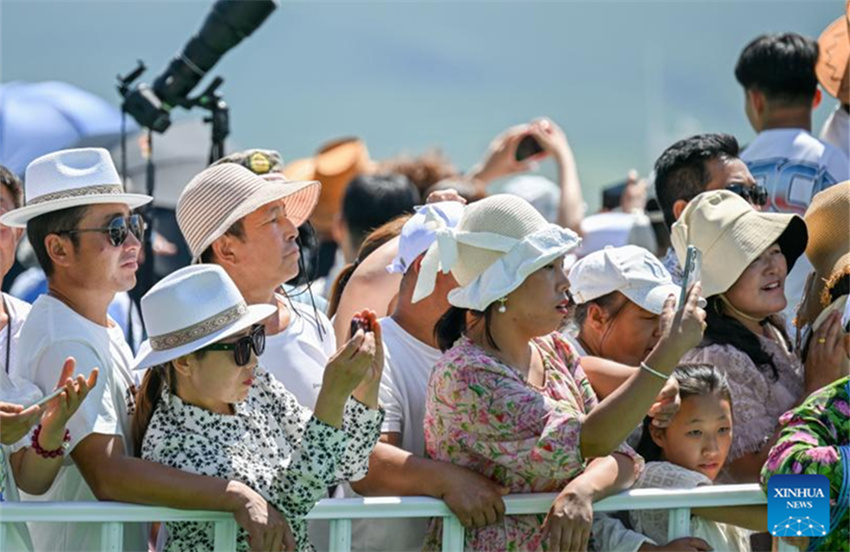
(112, 536)
(225, 536)
(452, 534)
(679, 523)
(3, 544)
(340, 535)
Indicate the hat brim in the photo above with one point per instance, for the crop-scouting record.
(18, 218)
(147, 357)
(304, 197)
(652, 298)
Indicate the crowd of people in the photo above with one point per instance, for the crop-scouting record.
(463, 341)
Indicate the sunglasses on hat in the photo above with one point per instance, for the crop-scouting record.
(241, 348)
(757, 195)
(118, 229)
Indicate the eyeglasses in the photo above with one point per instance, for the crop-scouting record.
(118, 229)
(757, 195)
(242, 347)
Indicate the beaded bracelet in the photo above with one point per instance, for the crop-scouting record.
(656, 373)
(50, 453)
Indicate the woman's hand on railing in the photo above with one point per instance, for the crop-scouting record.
(474, 499)
(569, 521)
(685, 544)
(268, 531)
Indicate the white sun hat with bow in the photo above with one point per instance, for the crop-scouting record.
(498, 243)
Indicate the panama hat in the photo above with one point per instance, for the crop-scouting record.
(630, 270)
(335, 164)
(731, 235)
(70, 178)
(221, 195)
(828, 222)
(834, 57)
(191, 308)
(498, 243)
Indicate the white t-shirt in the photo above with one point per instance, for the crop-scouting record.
(404, 384)
(18, 311)
(794, 165)
(836, 130)
(297, 356)
(52, 333)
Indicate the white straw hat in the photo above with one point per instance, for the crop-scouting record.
(190, 309)
(222, 194)
(731, 235)
(420, 231)
(631, 270)
(498, 243)
(70, 178)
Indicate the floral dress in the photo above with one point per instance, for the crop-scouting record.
(815, 439)
(482, 415)
(271, 443)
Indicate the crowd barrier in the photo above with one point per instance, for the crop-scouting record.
(341, 511)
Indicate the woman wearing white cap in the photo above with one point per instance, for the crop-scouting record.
(508, 398)
(746, 258)
(205, 405)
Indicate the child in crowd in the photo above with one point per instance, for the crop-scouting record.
(689, 453)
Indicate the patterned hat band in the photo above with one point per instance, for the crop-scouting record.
(106, 189)
(202, 329)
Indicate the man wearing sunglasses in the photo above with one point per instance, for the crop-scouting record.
(87, 240)
(695, 165)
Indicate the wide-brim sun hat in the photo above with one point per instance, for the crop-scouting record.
(498, 243)
(220, 195)
(630, 270)
(731, 235)
(420, 231)
(191, 308)
(828, 223)
(833, 66)
(70, 178)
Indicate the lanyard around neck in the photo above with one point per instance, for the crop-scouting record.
(8, 332)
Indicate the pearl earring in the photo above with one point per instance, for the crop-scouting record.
(502, 308)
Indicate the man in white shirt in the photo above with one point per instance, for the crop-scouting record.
(243, 215)
(398, 465)
(80, 224)
(777, 73)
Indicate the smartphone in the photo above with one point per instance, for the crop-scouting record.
(528, 147)
(691, 274)
(358, 323)
(47, 398)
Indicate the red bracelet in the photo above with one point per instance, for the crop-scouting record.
(50, 453)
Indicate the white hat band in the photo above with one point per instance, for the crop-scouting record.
(200, 330)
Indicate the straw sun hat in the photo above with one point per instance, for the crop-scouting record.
(191, 308)
(223, 194)
(832, 67)
(498, 243)
(828, 221)
(70, 178)
(731, 235)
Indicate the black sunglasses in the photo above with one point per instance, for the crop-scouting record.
(757, 195)
(242, 347)
(118, 229)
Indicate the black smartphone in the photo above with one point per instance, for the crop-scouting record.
(528, 147)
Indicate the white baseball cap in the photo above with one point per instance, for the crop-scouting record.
(420, 231)
(631, 270)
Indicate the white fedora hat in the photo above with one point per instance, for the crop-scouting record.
(222, 194)
(190, 309)
(70, 178)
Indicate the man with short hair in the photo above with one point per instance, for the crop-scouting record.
(82, 229)
(398, 463)
(777, 73)
(695, 165)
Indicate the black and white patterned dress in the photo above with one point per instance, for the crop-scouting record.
(271, 443)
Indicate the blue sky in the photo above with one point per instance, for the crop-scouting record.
(624, 79)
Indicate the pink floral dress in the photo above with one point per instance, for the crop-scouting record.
(482, 415)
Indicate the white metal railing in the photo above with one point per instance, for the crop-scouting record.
(340, 512)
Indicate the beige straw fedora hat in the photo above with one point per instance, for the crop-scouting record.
(497, 244)
(191, 308)
(833, 66)
(828, 222)
(70, 178)
(731, 235)
(223, 194)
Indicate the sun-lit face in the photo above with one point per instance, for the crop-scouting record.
(539, 305)
(760, 290)
(625, 333)
(268, 246)
(699, 436)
